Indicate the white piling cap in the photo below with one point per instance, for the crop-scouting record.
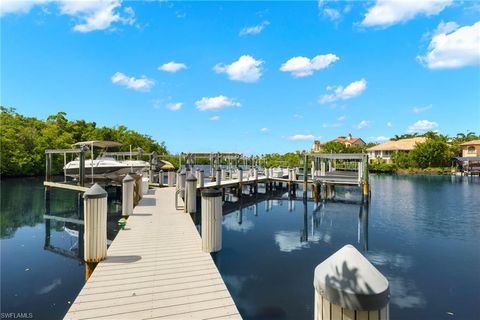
(128, 178)
(95, 192)
(191, 177)
(349, 280)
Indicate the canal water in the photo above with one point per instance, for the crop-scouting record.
(421, 232)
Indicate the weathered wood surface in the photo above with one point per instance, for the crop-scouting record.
(64, 186)
(155, 268)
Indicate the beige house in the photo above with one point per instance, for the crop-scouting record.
(385, 150)
(471, 148)
(317, 146)
(349, 141)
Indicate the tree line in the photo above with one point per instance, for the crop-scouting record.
(23, 140)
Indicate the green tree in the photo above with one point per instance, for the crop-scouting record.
(434, 152)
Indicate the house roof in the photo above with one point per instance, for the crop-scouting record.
(403, 144)
(349, 139)
(471, 143)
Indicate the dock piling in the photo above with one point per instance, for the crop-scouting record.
(191, 194)
(127, 195)
(95, 220)
(211, 220)
(348, 286)
(218, 176)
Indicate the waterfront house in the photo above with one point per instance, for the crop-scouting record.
(317, 146)
(471, 148)
(384, 151)
(350, 141)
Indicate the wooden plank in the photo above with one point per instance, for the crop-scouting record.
(155, 268)
(374, 315)
(336, 312)
(348, 314)
(64, 186)
(326, 309)
(362, 315)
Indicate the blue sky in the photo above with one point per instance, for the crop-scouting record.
(252, 77)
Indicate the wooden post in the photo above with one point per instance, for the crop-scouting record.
(81, 167)
(366, 190)
(211, 220)
(181, 184)
(171, 178)
(218, 176)
(95, 217)
(191, 194)
(305, 175)
(348, 286)
(240, 182)
(127, 195)
(201, 178)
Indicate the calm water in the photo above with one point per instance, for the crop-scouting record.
(41, 264)
(423, 233)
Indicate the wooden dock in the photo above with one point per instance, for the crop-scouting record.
(155, 268)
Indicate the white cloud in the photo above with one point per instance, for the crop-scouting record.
(341, 118)
(340, 93)
(332, 14)
(215, 118)
(175, 106)
(216, 103)
(141, 84)
(362, 124)
(389, 124)
(421, 109)
(18, 6)
(422, 125)
(389, 12)
(264, 130)
(245, 69)
(255, 29)
(298, 116)
(453, 47)
(172, 66)
(90, 15)
(96, 15)
(327, 10)
(379, 139)
(301, 137)
(303, 66)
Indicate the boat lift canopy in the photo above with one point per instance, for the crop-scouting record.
(99, 144)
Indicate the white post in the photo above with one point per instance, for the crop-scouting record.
(322, 169)
(171, 178)
(348, 286)
(95, 220)
(312, 169)
(255, 174)
(267, 173)
(127, 195)
(211, 220)
(201, 178)
(360, 172)
(218, 176)
(181, 183)
(191, 194)
(240, 175)
(224, 174)
(145, 186)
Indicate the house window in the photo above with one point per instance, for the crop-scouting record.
(471, 150)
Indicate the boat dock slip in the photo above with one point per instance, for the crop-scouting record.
(155, 268)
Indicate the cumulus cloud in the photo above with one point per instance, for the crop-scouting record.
(343, 93)
(385, 13)
(362, 124)
(303, 66)
(215, 118)
(254, 30)
(328, 11)
(172, 66)
(298, 116)
(216, 103)
(422, 125)
(421, 109)
(245, 69)
(140, 84)
(341, 118)
(264, 130)
(89, 15)
(175, 106)
(453, 47)
(301, 137)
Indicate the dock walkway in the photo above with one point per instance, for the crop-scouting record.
(155, 268)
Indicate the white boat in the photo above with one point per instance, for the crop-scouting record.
(104, 167)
